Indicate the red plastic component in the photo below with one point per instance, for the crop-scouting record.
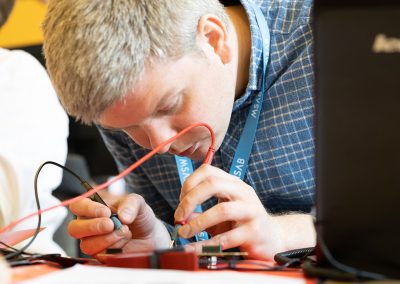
(133, 260)
(179, 260)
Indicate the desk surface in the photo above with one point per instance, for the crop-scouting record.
(21, 273)
(30, 272)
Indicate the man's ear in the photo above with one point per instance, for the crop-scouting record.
(214, 32)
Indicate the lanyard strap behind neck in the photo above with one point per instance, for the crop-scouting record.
(243, 150)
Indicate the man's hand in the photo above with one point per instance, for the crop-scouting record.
(239, 219)
(141, 229)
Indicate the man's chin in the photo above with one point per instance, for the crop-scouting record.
(197, 155)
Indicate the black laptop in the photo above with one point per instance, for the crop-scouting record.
(357, 67)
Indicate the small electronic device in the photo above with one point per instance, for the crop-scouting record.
(172, 258)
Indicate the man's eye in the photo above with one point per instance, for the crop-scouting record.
(172, 106)
(166, 111)
(169, 109)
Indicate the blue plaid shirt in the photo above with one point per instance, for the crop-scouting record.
(281, 165)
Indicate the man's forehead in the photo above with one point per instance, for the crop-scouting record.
(126, 111)
(135, 107)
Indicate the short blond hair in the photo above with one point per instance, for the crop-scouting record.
(96, 50)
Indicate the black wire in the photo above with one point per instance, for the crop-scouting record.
(9, 249)
(359, 274)
(62, 167)
(18, 252)
(296, 257)
(339, 271)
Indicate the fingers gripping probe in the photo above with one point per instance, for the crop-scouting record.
(96, 197)
(207, 160)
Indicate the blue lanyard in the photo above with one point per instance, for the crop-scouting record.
(243, 150)
(185, 169)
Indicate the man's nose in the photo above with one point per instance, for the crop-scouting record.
(158, 133)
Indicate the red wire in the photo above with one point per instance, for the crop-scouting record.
(207, 160)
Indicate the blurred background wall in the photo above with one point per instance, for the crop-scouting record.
(87, 153)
